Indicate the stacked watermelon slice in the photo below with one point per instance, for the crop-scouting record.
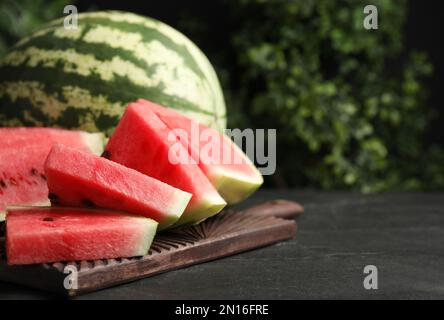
(153, 175)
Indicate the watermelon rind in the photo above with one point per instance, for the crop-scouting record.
(235, 186)
(41, 204)
(209, 207)
(94, 141)
(176, 209)
(150, 226)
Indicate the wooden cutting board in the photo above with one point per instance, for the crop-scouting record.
(225, 234)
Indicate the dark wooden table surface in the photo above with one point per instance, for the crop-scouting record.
(339, 234)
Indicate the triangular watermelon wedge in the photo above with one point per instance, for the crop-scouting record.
(82, 179)
(143, 142)
(228, 168)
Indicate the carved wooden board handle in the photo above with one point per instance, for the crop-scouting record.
(285, 209)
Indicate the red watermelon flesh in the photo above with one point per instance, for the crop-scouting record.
(77, 178)
(46, 137)
(44, 235)
(23, 152)
(227, 167)
(22, 179)
(143, 142)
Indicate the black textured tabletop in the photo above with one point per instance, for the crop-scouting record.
(339, 234)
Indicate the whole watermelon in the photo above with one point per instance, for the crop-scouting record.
(83, 78)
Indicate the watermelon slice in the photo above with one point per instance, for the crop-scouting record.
(23, 152)
(77, 178)
(143, 142)
(44, 235)
(227, 167)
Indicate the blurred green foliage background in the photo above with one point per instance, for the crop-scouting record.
(350, 105)
(19, 18)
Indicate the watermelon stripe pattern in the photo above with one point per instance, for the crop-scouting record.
(83, 78)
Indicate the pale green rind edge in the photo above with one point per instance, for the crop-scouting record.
(177, 208)
(209, 207)
(94, 141)
(43, 204)
(149, 229)
(235, 188)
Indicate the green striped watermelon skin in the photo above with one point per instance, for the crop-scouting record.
(83, 78)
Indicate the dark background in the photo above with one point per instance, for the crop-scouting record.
(423, 29)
